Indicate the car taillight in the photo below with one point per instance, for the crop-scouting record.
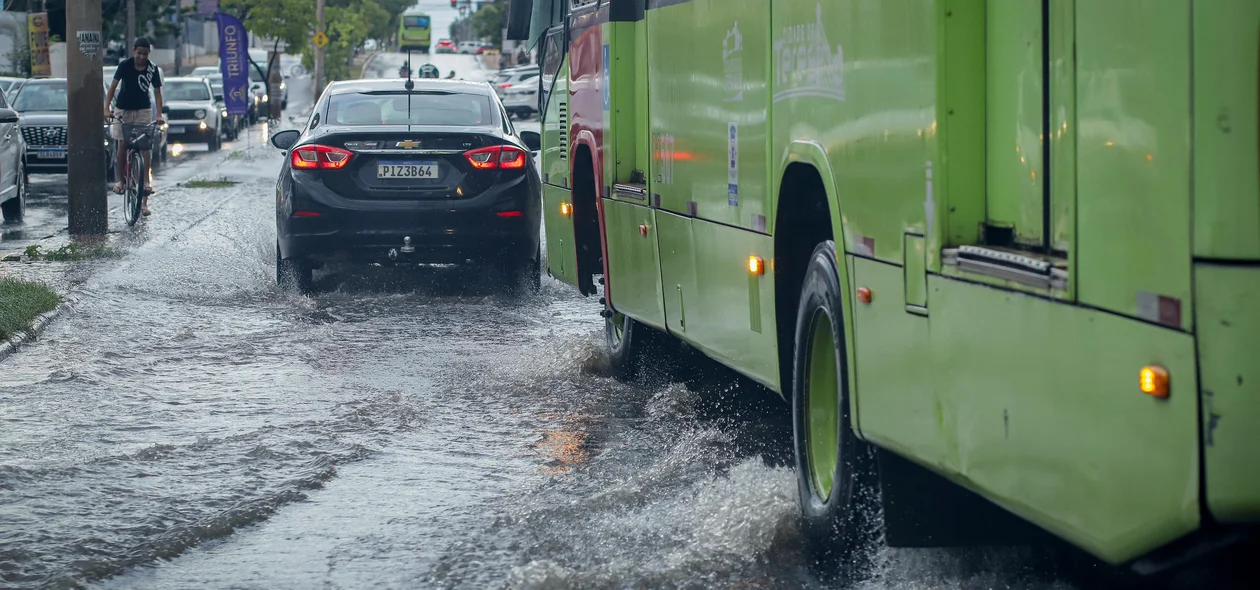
(310, 157)
(505, 85)
(503, 157)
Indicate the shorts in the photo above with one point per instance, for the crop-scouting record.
(137, 117)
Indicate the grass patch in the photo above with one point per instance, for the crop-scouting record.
(21, 302)
(71, 252)
(210, 183)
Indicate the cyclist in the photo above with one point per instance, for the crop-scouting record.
(405, 70)
(451, 76)
(137, 76)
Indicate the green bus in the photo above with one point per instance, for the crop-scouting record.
(413, 32)
(996, 254)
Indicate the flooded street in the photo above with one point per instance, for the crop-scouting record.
(188, 425)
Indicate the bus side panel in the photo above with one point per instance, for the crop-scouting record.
(732, 316)
(1226, 177)
(1049, 423)
(899, 409)
(859, 78)
(630, 233)
(561, 254)
(1229, 357)
(1133, 166)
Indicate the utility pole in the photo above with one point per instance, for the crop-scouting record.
(131, 25)
(89, 205)
(319, 51)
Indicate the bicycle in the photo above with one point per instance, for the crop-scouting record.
(137, 139)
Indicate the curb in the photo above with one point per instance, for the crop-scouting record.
(15, 343)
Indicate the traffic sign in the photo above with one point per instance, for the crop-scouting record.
(320, 39)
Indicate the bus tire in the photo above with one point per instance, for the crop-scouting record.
(630, 345)
(837, 489)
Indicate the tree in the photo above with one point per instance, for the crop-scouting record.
(292, 22)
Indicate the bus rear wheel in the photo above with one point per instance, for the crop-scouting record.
(835, 472)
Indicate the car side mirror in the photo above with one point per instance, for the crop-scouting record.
(532, 139)
(285, 139)
(218, 98)
(8, 116)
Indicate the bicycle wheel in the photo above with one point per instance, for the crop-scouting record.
(134, 187)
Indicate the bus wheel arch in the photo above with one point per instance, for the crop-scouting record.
(587, 237)
(835, 493)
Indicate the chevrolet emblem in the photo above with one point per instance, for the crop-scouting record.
(407, 144)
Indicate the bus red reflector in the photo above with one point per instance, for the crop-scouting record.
(511, 214)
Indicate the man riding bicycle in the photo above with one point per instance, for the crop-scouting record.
(137, 76)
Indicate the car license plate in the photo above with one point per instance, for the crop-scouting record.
(174, 129)
(51, 154)
(423, 170)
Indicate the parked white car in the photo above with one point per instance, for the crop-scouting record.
(203, 71)
(524, 76)
(521, 101)
(194, 117)
(469, 47)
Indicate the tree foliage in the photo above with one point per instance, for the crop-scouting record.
(290, 21)
(487, 23)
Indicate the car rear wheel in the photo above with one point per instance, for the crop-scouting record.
(15, 209)
(835, 472)
(525, 277)
(294, 276)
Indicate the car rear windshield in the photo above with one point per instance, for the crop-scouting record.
(426, 108)
(41, 96)
(181, 90)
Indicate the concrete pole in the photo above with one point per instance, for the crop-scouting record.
(319, 51)
(89, 205)
(131, 26)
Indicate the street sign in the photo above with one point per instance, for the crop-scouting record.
(320, 39)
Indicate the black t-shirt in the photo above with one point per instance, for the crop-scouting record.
(134, 85)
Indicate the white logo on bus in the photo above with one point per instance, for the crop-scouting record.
(805, 64)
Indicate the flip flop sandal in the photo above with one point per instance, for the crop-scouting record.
(118, 190)
(146, 213)
(148, 190)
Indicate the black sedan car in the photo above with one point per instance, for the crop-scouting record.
(398, 172)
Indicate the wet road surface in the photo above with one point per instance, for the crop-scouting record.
(187, 425)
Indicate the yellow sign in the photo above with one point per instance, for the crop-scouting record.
(37, 28)
(320, 39)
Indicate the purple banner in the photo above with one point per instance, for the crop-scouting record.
(234, 63)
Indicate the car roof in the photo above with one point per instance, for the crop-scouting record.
(378, 84)
(186, 79)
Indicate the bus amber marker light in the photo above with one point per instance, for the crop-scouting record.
(864, 294)
(756, 265)
(1153, 381)
(566, 209)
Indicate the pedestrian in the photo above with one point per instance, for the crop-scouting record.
(522, 56)
(135, 77)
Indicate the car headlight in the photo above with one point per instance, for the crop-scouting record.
(223, 113)
(264, 97)
(201, 113)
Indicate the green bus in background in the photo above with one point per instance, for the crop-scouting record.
(1002, 257)
(413, 32)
